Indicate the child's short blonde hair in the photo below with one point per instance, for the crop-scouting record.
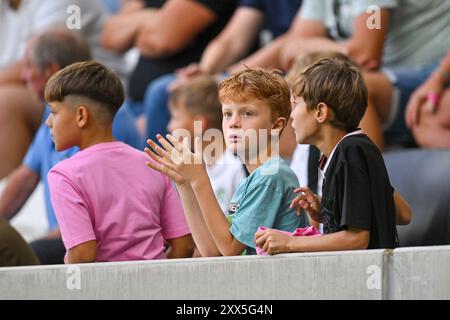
(200, 97)
(265, 85)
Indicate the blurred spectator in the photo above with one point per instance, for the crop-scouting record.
(394, 35)
(166, 36)
(20, 112)
(233, 43)
(428, 112)
(14, 251)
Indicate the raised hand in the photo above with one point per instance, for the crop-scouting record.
(306, 200)
(176, 160)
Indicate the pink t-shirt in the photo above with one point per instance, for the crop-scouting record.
(107, 193)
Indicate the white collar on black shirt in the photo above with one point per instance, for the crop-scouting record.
(328, 161)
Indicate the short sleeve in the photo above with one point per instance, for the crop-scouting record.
(313, 10)
(256, 4)
(354, 197)
(71, 211)
(219, 7)
(361, 6)
(33, 158)
(259, 207)
(173, 221)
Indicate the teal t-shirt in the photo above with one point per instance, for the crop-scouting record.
(263, 199)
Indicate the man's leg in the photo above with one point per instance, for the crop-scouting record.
(20, 116)
(49, 251)
(14, 251)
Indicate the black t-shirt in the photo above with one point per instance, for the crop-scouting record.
(148, 69)
(357, 193)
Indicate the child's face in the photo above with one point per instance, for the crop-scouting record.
(242, 124)
(63, 125)
(180, 118)
(303, 121)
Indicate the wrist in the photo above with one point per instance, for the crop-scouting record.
(200, 180)
(294, 244)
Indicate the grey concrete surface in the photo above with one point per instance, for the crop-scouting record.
(330, 275)
(420, 273)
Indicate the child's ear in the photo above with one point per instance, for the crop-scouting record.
(322, 113)
(279, 124)
(82, 116)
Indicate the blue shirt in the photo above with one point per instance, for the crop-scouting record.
(42, 156)
(279, 14)
(263, 199)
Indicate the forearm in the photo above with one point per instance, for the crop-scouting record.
(83, 253)
(182, 247)
(402, 210)
(218, 56)
(338, 241)
(215, 220)
(269, 56)
(19, 186)
(120, 32)
(200, 232)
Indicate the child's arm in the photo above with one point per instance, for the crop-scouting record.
(209, 226)
(182, 247)
(274, 242)
(402, 210)
(218, 225)
(202, 238)
(83, 253)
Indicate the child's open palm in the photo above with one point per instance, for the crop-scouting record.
(176, 160)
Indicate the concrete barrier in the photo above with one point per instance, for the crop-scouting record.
(420, 273)
(336, 275)
(408, 273)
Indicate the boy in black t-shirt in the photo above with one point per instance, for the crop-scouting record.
(359, 207)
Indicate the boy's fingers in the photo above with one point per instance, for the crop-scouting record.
(167, 146)
(160, 151)
(304, 204)
(176, 144)
(151, 154)
(155, 166)
(307, 191)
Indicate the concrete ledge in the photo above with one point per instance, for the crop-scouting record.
(420, 273)
(330, 275)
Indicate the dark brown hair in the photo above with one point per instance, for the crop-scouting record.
(337, 82)
(90, 80)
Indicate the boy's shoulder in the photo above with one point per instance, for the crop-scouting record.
(358, 151)
(97, 156)
(356, 146)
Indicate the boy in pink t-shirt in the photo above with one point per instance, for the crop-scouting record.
(109, 206)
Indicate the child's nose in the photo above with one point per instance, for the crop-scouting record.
(48, 122)
(235, 122)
